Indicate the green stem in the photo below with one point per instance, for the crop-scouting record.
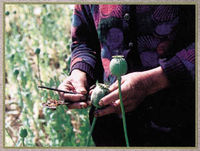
(20, 95)
(92, 127)
(123, 112)
(38, 64)
(23, 142)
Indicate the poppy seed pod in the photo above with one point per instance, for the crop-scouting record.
(118, 66)
(23, 132)
(16, 72)
(99, 92)
(37, 51)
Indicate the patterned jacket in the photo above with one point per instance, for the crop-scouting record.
(148, 36)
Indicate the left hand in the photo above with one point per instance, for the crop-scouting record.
(134, 87)
(76, 82)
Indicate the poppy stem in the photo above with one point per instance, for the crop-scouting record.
(91, 130)
(123, 112)
(23, 144)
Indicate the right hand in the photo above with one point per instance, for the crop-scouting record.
(76, 82)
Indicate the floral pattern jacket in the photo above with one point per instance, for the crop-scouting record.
(148, 36)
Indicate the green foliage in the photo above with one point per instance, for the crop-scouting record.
(37, 40)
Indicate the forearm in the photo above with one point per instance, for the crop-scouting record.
(180, 69)
(84, 54)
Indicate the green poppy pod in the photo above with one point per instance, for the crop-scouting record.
(16, 72)
(118, 66)
(37, 51)
(99, 92)
(7, 13)
(23, 132)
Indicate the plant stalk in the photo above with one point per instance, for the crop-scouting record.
(123, 112)
(23, 142)
(91, 130)
(38, 66)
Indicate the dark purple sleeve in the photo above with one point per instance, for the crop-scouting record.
(181, 67)
(83, 56)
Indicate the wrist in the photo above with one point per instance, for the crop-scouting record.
(78, 72)
(84, 67)
(154, 80)
(83, 75)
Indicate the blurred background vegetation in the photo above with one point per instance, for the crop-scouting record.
(37, 51)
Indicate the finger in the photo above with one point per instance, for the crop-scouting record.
(65, 86)
(109, 98)
(115, 103)
(61, 97)
(114, 86)
(74, 97)
(89, 103)
(62, 94)
(116, 106)
(113, 96)
(103, 112)
(90, 93)
(92, 87)
(78, 105)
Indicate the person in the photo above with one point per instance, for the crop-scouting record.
(158, 90)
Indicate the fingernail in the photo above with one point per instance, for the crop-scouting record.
(96, 113)
(101, 103)
(82, 91)
(83, 106)
(89, 103)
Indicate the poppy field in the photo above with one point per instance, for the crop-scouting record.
(37, 52)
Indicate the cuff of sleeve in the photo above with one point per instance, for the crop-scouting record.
(83, 67)
(174, 70)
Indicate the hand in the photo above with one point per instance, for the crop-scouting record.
(76, 82)
(135, 87)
